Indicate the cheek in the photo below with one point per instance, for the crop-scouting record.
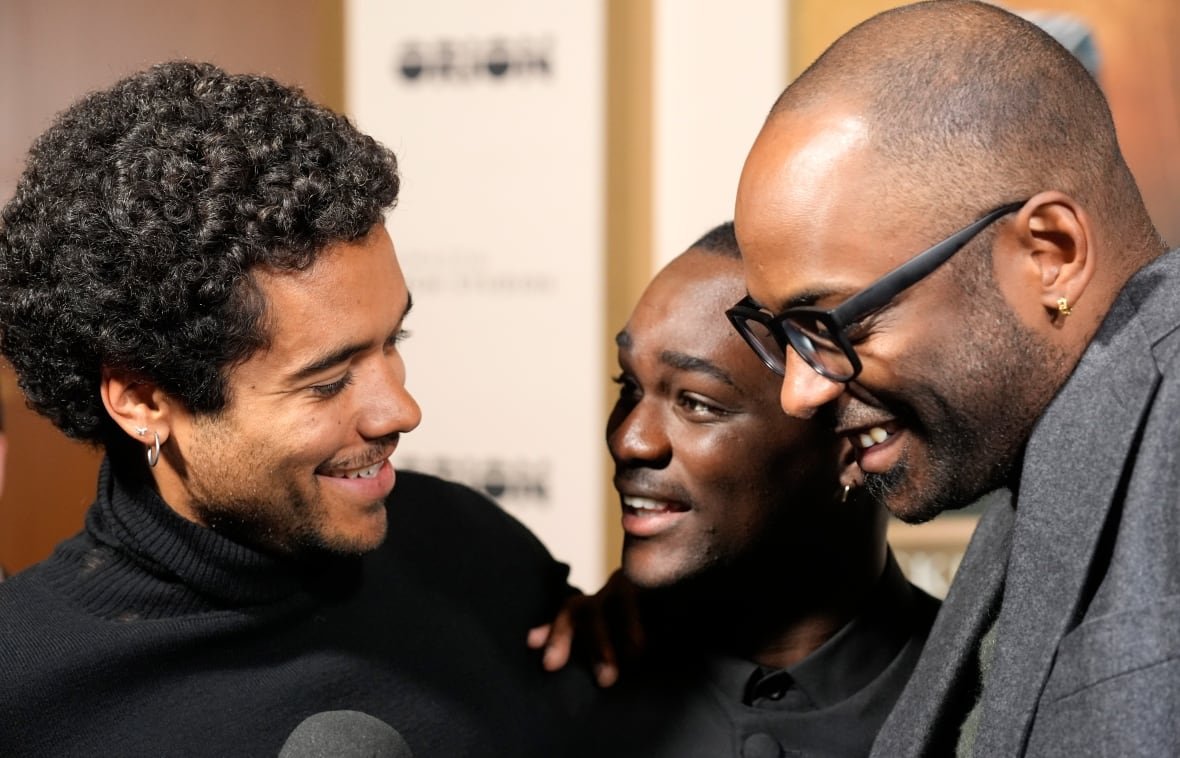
(711, 457)
(885, 360)
(711, 465)
(750, 504)
(915, 349)
(1018, 289)
(303, 437)
(733, 469)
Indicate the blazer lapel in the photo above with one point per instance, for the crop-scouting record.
(926, 718)
(1072, 468)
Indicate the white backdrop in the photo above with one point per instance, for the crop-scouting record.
(495, 111)
(718, 67)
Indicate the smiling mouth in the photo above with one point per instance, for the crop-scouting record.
(646, 505)
(871, 437)
(368, 472)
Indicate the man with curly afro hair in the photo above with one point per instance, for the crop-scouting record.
(195, 276)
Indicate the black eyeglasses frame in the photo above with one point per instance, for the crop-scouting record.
(837, 320)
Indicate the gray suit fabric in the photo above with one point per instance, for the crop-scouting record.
(1085, 569)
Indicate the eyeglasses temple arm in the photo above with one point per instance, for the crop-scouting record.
(921, 265)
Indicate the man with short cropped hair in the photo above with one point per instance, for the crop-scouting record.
(775, 620)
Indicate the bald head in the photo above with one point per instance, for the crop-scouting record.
(969, 106)
(908, 129)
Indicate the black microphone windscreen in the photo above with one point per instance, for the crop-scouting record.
(344, 734)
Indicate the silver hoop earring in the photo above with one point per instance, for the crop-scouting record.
(844, 494)
(153, 453)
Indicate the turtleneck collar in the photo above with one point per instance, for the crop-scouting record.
(145, 560)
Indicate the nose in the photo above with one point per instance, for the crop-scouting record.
(635, 434)
(388, 407)
(804, 390)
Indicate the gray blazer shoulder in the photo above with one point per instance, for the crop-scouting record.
(1087, 658)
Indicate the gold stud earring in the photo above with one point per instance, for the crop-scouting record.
(1063, 307)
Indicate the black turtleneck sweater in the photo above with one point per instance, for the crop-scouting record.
(146, 634)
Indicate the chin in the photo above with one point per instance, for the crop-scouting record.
(907, 507)
(648, 574)
(659, 570)
(646, 580)
(363, 543)
(912, 513)
(908, 500)
(355, 541)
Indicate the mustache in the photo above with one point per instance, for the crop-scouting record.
(377, 450)
(645, 481)
(866, 411)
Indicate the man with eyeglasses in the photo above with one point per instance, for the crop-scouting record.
(1031, 345)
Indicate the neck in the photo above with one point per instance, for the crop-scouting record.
(763, 611)
(780, 638)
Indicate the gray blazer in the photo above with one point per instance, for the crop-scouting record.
(1087, 652)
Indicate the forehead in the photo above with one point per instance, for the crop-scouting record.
(689, 297)
(816, 211)
(683, 311)
(352, 292)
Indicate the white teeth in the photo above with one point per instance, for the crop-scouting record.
(874, 436)
(365, 473)
(643, 504)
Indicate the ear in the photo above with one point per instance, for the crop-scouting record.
(138, 406)
(1055, 232)
(849, 473)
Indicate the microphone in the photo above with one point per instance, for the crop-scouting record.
(344, 734)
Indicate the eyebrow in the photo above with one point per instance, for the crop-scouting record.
(343, 354)
(682, 361)
(685, 362)
(805, 298)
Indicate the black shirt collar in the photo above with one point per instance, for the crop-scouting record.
(839, 668)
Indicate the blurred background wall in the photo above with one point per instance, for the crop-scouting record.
(655, 102)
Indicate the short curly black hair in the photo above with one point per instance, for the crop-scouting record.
(142, 212)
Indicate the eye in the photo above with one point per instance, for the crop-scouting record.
(398, 337)
(863, 328)
(857, 331)
(331, 389)
(699, 408)
(628, 389)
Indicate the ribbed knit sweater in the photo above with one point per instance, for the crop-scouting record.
(147, 634)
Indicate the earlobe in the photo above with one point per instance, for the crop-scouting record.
(139, 407)
(1057, 234)
(850, 476)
